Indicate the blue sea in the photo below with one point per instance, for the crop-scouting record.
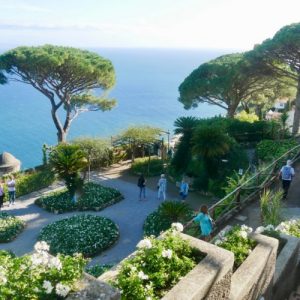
(146, 91)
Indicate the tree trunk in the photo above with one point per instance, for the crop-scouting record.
(61, 136)
(231, 111)
(296, 121)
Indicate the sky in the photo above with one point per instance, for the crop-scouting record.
(218, 24)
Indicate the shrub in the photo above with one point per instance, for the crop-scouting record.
(157, 266)
(269, 150)
(247, 117)
(291, 227)
(98, 270)
(10, 227)
(94, 197)
(38, 276)
(85, 234)
(237, 240)
(167, 213)
(270, 207)
(141, 165)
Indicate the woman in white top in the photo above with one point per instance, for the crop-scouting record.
(11, 186)
(162, 187)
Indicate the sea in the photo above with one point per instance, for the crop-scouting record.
(146, 90)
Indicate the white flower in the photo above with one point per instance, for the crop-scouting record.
(218, 242)
(260, 229)
(177, 226)
(41, 246)
(149, 298)
(62, 290)
(142, 275)
(167, 253)
(246, 228)
(146, 243)
(270, 227)
(133, 268)
(40, 258)
(243, 234)
(54, 262)
(3, 278)
(47, 286)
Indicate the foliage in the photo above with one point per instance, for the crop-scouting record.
(227, 81)
(157, 266)
(237, 240)
(39, 275)
(167, 213)
(184, 126)
(246, 117)
(98, 270)
(10, 227)
(268, 150)
(86, 234)
(291, 227)
(152, 167)
(270, 207)
(65, 75)
(279, 57)
(98, 152)
(28, 182)
(67, 161)
(94, 197)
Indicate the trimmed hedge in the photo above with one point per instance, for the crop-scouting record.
(86, 234)
(140, 166)
(94, 197)
(10, 227)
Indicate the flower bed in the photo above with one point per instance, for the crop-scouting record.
(237, 240)
(10, 227)
(40, 275)
(291, 227)
(98, 270)
(167, 213)
(157, 266)
(94, 197)
(85, 234)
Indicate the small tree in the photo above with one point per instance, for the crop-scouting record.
(67, 161)
(65, 75)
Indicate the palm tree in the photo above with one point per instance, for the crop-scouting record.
(67, 161)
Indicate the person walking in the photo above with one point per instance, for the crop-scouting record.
(286, 173)
(205, 222)
(142, 185)
(162, 187)
(183, 190)
(11, 186)
(1, 194)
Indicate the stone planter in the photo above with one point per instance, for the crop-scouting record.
(89, 288)
(210, 279)
(255, 276)
(286, 268)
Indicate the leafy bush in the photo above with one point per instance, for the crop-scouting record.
(247, 117)
(167, 213)
(237, 240)
(85, 234)
(10, 227)
(94, 197)
(269, 150)
(98, 270)
(98, 151)
(270, 207)
(291, 227)
(140, 166)
(28, 182)
(157, 266)
(39, 275)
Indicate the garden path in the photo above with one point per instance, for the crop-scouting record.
(129, 215)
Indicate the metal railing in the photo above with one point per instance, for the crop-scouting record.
(249, 190)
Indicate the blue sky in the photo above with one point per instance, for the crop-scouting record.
(232, 24)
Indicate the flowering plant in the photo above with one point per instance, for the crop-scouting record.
(84, 234)
(10, 227)
(291, 227)
(157, 266)
(237, 240)
(94, 197)
(40, 275)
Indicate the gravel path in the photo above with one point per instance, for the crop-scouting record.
(129, 215)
